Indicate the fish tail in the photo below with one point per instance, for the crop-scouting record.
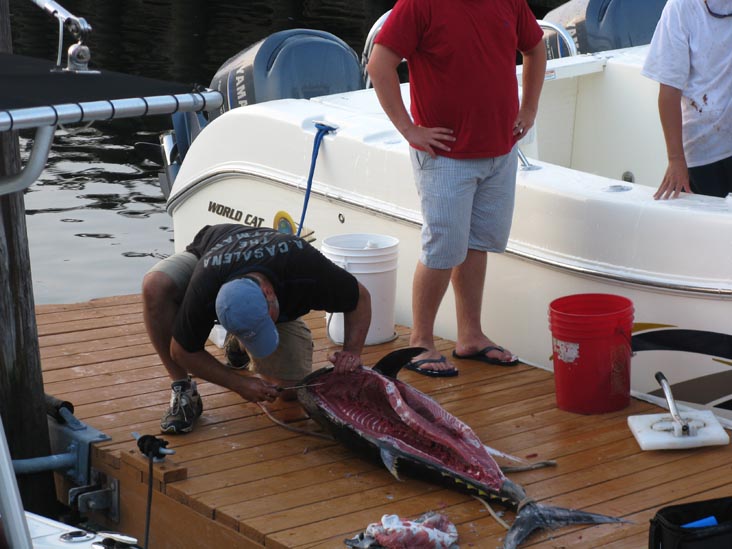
(534, 516)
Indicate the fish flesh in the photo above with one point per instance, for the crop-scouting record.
(373, 412)
(430, 531)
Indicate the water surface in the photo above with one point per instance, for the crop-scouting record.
(96, 218)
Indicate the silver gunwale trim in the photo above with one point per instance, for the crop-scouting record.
(402, 215)
(646, 282)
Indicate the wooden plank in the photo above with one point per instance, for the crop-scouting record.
(376, 491)
(638, 526)
(93, 304)
(235, 466)
(165, 472)
(172, 525)
(242, 481)
(82, 322)
(233, 504)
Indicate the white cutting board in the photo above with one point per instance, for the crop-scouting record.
(712, 434)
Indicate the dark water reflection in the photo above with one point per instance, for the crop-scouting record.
(96, 217)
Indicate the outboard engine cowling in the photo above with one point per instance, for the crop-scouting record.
(297, 63)
(600, 25)
(291, 64)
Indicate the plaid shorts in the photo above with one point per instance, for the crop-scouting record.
(466, 204)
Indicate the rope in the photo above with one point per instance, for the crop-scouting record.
(528, 466)
(290, 427)
(498, 519)
(322, 130)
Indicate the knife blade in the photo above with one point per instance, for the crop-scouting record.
(280, 389)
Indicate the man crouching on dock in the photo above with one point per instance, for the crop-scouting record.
(258, 283)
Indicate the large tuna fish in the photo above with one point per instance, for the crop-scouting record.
(372, 411)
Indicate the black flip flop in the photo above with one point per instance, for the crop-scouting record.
(482, 356)
(415, 367)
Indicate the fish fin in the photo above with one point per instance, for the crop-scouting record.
(509, 457)
(524, 465)
(390, 462)
(390, 364)
(534, 516)
(530, 467)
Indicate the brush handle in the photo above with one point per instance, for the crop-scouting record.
(671, 402)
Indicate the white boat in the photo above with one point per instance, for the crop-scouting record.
(585, 218)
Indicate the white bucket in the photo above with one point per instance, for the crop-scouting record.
(372, 259)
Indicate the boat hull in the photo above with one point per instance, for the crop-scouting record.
(576, 228)
(518, 289)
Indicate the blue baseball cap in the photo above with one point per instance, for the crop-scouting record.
(243, 311)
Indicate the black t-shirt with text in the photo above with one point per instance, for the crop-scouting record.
(303, 278)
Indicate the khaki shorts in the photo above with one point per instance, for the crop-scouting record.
(179, 267)
(292, 360)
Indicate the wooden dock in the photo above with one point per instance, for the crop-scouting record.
(240, 481)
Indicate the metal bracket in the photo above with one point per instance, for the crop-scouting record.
(78, 54)
(526, 164)
(104, 498)
(76, 437)
(76, 491)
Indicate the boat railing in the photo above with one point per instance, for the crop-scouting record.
(561, 34)
(562, 37)
(369, 46)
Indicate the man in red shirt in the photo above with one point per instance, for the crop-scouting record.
(464, 125)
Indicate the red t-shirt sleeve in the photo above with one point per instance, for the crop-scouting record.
(527, 29)
(402, 28)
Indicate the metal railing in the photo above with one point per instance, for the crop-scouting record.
(562, 37)
(369, 46)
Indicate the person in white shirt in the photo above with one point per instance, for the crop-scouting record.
(691, 57)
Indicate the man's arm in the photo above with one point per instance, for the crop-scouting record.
(676, 178)
(203, 365)
(382, 69)
(532, 80)
(355, 328)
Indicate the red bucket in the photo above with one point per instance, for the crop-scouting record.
(591, 350)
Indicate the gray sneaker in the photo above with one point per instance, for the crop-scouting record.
(185, 407)
(236, 356)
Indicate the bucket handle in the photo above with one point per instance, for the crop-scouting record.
(342, 264)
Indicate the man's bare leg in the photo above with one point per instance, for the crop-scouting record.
(429, 287)
(468, 281)
(160, 300)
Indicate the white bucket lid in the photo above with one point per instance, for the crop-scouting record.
(360, 241)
